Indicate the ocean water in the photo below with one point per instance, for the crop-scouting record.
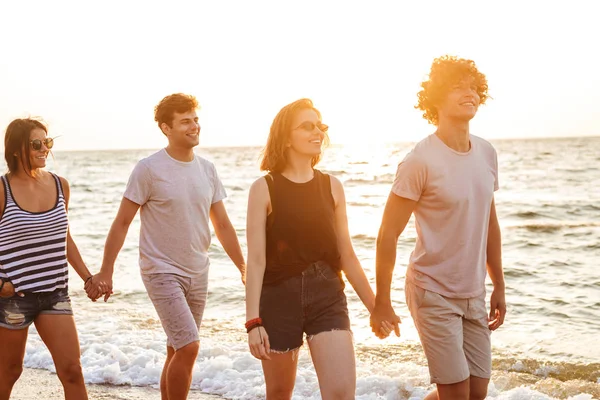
(549, 210)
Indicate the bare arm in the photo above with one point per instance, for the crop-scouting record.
(227, 236)
(350, 264)
(73, 256)
(494, 268)
(7, 288)
(2, 199)
(118, 233)
(395, 217)
(256, 236)
(102, 281)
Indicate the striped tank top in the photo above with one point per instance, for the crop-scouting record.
(33, 245)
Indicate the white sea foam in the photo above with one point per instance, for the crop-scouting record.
(227, 369)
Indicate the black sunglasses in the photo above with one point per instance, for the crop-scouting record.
(36, 144)
(310, 126)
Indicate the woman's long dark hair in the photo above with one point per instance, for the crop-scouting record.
(16, 143)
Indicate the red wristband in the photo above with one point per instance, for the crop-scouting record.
(251, 327)
(253, 322)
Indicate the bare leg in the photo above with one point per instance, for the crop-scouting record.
(454, 391)
(164, 395)
(60, 336)
(280, 375)
(478, 388)
(179, 371)
(432, 396)
(12, 350)
(333, 356)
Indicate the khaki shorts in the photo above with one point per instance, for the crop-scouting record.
(454, 334)
(179, 302)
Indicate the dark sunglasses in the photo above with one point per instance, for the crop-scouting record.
(310, 126)
(36, 144)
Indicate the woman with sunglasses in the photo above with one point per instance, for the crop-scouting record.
(35, 246)
(298, 245)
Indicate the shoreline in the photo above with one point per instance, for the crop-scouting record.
(43, 384)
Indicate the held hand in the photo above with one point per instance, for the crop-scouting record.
(100, 284)
(87, 285)
(8, 290)
(386, 329)
(384, 320)
(497, 309)
(258, 341)
(92, 290)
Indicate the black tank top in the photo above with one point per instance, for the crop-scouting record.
(300, 227)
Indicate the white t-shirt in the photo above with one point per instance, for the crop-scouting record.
(454, 193)
(175, 199)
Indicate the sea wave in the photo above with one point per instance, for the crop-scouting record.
(383, 372)
(384, 178)
(552, 227)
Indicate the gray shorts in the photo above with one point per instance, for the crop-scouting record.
(454, 334)
(179, 302)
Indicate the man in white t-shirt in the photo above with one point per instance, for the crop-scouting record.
(448, 181)
(177, 192)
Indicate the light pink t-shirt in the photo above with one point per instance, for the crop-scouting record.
(454, 193)
(175, 199)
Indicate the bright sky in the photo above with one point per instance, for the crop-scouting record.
(94, 71)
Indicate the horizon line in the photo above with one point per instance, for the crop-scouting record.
(333, 144)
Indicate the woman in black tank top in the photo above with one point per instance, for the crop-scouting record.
(298, 245)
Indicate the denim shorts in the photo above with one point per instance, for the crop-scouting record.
(310, 303)
(18, 312)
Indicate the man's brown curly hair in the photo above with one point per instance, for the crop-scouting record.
(171, 104)
(447, 71)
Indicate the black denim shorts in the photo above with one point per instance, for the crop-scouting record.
(19, 312)
(310, 303)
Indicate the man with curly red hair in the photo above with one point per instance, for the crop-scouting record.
(448, 181)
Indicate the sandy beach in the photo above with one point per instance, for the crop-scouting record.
(41, 384)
